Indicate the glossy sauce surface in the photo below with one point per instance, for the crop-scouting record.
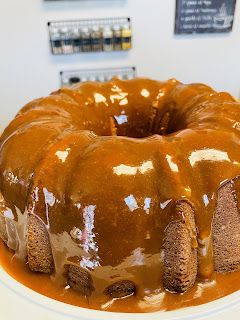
(220, 286)
(102, 165)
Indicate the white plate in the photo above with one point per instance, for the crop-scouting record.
(19, 302)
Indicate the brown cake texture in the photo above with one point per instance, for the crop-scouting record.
(126, 185)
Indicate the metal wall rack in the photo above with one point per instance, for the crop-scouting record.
(71, 77)
(90, 35)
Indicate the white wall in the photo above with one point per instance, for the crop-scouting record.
(28, 70)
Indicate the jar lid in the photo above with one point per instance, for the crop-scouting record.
(85, 29)
(95, 28)
(126, 26)
(64, 30)
(116, 27)
(75, 31)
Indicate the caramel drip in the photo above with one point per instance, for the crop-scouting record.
(200, 293)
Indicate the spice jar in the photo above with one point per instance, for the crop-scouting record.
(56, 43)
(83, 79)
(108, 77)
(128, 76)
(107, 39)
(96, 37)
(66, 41)
(76, 40)
(73, 80)
(126, 37)
(92, 78)
(117, 38)
(86, 39)
(65, 82)
(100, 78)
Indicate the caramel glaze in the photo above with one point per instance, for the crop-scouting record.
(202, 292)
(103, 166)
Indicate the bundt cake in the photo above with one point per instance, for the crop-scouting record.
(125, 187)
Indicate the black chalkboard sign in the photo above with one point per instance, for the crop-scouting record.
(204, 16)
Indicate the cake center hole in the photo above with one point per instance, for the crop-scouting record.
(156, 123)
